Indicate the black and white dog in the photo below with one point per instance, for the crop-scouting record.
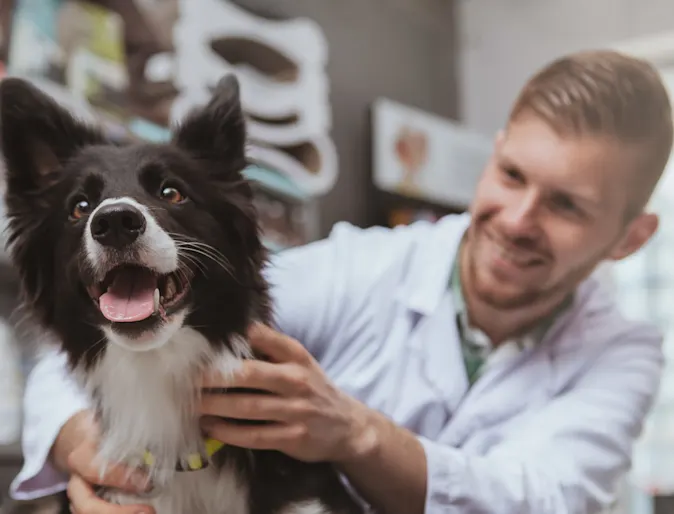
(145, 261)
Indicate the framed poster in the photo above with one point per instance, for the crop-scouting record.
(423, 156)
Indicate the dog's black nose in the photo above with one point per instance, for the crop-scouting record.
(117, 225)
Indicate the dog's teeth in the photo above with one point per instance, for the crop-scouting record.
(170, 287)
(156, 300)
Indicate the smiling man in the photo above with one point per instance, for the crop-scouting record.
(472, 365)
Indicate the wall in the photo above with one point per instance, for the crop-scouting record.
(504, 41)
(402, 49)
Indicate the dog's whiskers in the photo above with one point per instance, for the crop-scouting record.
(220, 261)
(183, 272)
(192, 260)
(186, 247)
(101, 346)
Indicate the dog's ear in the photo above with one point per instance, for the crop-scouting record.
(37, 135)
(217, 132)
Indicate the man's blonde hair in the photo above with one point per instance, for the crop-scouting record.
(606, 94)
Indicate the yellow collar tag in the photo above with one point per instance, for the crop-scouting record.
(194, 461)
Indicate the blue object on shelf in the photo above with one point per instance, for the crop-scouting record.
(275, 181)
(42, 14)
(149, 131)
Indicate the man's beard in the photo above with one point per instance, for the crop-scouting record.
(523, 296)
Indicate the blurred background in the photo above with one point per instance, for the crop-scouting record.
(376, 112)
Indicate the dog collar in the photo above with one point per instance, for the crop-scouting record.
(194, 461)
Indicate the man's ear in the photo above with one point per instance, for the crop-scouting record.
(638, 233)
(217, 131)
(37, 135)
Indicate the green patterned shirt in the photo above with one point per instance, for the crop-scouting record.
(478, 350)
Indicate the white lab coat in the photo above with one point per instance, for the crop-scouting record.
(546, 431)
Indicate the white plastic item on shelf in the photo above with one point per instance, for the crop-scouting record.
(286, 107)
(326, 166)
(11, 387)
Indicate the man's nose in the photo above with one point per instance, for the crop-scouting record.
(520, 218)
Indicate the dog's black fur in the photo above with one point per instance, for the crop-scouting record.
(54, 161)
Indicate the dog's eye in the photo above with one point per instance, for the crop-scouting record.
(80, 209)
(171, 194)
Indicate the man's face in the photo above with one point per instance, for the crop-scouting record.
(547, 210)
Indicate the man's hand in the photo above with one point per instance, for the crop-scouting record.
(75, 452)
(311, 419)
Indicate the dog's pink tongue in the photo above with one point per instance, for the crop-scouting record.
(130, 297)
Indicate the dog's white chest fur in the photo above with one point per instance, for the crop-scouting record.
(201, 491)
(147, 402)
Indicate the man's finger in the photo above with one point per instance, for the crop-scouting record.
(248, 406)
(276, 346)
(84, 501)
(253, 374)
(84, 462)
(259, 437)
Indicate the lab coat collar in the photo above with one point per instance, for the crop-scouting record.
(572, 342)
(431, 264)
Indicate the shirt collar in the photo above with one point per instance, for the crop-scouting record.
(476, 337)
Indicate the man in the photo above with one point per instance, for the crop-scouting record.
(472, 365)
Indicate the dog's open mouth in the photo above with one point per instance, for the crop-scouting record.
(133, 293)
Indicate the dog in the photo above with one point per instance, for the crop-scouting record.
(146, 263)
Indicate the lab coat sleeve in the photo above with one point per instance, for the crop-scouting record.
(51, 398)
(569, 456)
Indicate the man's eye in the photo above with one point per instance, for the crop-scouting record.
(513, 175)
(564, 204)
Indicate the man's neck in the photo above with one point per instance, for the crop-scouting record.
(499, 324)
(502, 325)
